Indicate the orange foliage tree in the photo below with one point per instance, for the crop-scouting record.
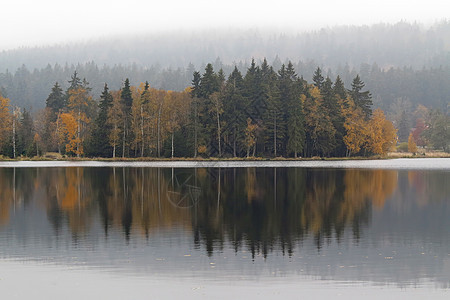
(5, 120)
(382, 133)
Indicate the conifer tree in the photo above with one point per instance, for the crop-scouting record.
(234, 115)
(318, 78)
(127, 101)
(100, 137)
(55, 101)
(362, 99)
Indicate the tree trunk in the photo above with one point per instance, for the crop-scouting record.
(195, 129)
(172, 144)
(14, 134)
(218, 132)
(78, 133)
(124, 136)
(234, 142)
(275, 134)
(159, 130)
(142, 131)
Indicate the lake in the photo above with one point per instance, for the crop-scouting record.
(220, 230)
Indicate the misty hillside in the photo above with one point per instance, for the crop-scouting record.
(403, 62)
(401, 44)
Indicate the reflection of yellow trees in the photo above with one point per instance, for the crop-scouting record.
(142, 193)
(250, 184)
(325, 204)
(6, 198)
(362, 185)
(73, 193)
(319, 201)
(11, 193)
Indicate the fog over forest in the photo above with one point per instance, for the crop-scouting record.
(406, 62)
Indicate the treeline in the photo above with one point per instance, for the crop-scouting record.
(264, 113)
(394, 90)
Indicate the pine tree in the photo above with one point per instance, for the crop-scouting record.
(362, 99)
(55, 101)
(26, 134)
(234, 115)
(100, 137)
(290, 89)
(127, 101)
(339, 88)
(318, 78)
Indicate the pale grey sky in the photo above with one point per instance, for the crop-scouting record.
(46, 22)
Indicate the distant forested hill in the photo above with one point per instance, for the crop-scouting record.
(400, 63)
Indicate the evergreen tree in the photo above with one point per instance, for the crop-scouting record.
(318, 78)
(26, 144)
(99, 145)
(235, 118)
(339, 88)
(74, 82)
(195, 94)
(127, 101)
(290, 88)
(362, 99)
(56, 101)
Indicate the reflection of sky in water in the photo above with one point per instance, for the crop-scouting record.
(402, 239)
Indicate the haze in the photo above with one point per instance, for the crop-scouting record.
(47, 22)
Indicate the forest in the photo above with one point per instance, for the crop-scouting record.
(262, 113)
(406, 66)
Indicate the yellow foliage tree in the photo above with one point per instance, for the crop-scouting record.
(70, 132)
(355, 126)
(250, 135)
(412, 147)
(382, 133)
(78, 103)
(5, 120)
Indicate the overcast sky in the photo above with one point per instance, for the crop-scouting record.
(46, 22)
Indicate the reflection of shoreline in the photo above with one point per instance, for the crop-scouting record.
(257, 207)
(328, 223)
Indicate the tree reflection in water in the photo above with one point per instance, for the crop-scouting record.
(260, 209)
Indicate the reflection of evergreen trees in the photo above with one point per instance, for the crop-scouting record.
(268, 208)
(259, 209)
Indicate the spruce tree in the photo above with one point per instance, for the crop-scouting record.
(362, 99)
(234, 115)
(100, 135)
(127, 101)
(318, 78)
(55, 101)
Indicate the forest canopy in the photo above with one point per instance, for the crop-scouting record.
(262, 113)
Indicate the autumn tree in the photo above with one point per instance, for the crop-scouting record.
(355, 125)
(382, 133)
(412, 147)
(70, 134)
(319, 128)
(78, 104)
(5, 122)
(250, 135)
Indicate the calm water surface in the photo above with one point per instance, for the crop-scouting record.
(292, 228)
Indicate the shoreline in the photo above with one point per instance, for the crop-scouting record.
(392, 155)
(388, 164)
